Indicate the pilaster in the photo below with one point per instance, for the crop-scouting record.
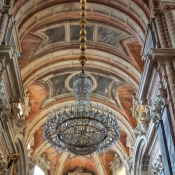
(169, 11)
(160, 28)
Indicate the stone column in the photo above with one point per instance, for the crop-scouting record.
(161, 29)
(171, 79)
(170, 20)
(3, 24)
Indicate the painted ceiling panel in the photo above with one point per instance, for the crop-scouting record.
(55, 35)
(59, 84)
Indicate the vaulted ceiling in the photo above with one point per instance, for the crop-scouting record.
(48, 33)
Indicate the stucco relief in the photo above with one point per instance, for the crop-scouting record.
(143, 122)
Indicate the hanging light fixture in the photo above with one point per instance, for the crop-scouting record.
(81, 129)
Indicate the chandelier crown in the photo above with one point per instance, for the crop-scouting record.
(82, 88)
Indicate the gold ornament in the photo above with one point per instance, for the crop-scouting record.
(83, 1)
(83, 47)
(83, 13)
(83, 31)
(83, 23)
(83, 7)
(83, 39)
(83, 59)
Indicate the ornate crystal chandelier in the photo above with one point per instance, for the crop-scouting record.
(82, 129)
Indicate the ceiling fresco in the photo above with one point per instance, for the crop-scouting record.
(58, 84)
(55, 35)
(109, 36)
(49, 47)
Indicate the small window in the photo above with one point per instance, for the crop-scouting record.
(38, 171)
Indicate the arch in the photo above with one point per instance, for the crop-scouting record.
(109, 62)
(139, 150)
(32, 16)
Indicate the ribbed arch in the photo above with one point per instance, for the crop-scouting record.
(29, 16)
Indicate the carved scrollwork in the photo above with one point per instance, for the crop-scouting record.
(157, 166)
